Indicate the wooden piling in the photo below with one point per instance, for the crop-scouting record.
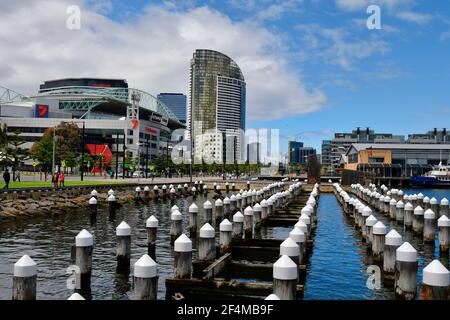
(370, 222)
(238, 225)
(218, 211)
(285, 275)
(299, 238)
(264, 207)
(406, 271)
(367, 212)
(112, 204)
(429, 226)
(426, 203)
(403, 212)
(248, 222)
(408, 215)
(182, 257)
(434, 206)
(443, 209)
(444, 234)
(257, 215)
(379, 233)
(206, 243)
(24, 279)
(176, 225)
(193, 211)
(418, 218)
(84, 245)
(435, 284)
(207, 206)
(123, 233)
(145, 279)
(393, 209)
(93, 206)
(291, 249)
(226, 230)
(393, 240)
(152, 228)
(227, 208)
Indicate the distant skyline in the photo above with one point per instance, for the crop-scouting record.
(312, 67)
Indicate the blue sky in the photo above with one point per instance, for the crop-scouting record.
(312, 66)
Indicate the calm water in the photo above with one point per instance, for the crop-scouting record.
(336, 269)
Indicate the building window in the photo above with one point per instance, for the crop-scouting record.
(376, 159)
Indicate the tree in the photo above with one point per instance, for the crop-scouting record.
(14, 153)
(313, 167)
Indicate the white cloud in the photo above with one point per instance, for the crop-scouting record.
(419, 18)
(152, 51)
(354, 5)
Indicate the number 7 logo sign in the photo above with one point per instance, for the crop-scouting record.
(41, 111)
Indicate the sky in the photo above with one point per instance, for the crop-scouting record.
(312, 67)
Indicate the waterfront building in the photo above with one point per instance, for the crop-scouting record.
(298, 154)
(176, 102)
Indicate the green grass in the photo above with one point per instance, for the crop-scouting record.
(34, 184)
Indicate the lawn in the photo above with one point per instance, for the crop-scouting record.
(35, 184)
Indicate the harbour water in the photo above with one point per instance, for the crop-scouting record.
(336, 269)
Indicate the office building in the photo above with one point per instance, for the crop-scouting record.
(176, 102)
(298, 154)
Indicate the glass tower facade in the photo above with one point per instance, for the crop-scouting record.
(177, 102)
(217, 96)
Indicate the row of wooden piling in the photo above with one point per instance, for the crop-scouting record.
(399, 258)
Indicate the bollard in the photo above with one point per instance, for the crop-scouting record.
(174, 208)
(402, 210)
(186, 188)
(272, 297)
(76, 296)
(443, 209)
(156, 191)
(146, 193)
(444, 234)
(93, 206)
(265, 209)
(393, 240)
(426, 203)
(270, 206)
(429, 226)
(307, 221)
(233, 187)
(233, 204)
(94, 194)
(393, 209)
(164, 191)
(300, 239)
(207, 206)
(370, 222)
(193, 211)
(367, 212)
(257, 215)
(145, 279)
(123, 233)
(182, 257)
(418, 218)
(226, 230)
(238, 225)
(206, 243)
(248, 222)
(239, 202)
(218, 210)
(420, 198)
(176, 225)
(406, 271)
(408, 215)
(137, 197)
(110, 192)
(379, 232)
(84, 244)
(291, 249)
(435, 284)
(285, 275)
(112, 205)
(227, 208)
(434, 206)
(152, 228)
(24, 279)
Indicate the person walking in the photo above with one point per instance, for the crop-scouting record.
(18, 176)
(7, 178)
(55, 180)
(61, 179)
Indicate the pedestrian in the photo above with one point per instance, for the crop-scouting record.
(18, 176)
(6, 177)
(55, 180)
(61, 179)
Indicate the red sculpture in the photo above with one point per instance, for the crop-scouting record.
(103, 161)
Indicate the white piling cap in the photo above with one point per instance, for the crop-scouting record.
(371, 221)
(406, 253)
(92, 201)
(418, 211)
(400, 192)
(207, 231)
(444, 202)
(226, 226)
(123, 229)
(226, 200)
(172, 190)
(183, 244)
(301, 225)
(248, 211)
(110, 192)
(146, 189)
(290, 248)
(84, 239)
(408, 207)
(444, 221)
(400, 204)
(193, 208)
(285, 269)
(111, 198)
(155, 188)
(145, 267)
(426, 200)
(429, 214)
(238, 217)
(207, 205)
(305, 218)
(218, 203)
(366, 211)
(76, 296)
(297, 235)
(272, 297)
(218, 187)
(307, 210)
(393, 238)
(387, 199)
(436, 275)
(176, 216)
(420, 196)
(171, 186)
(433, 200)
(238, 196)
(25, 267)
(152, 222)
(164, 187)
(270, 201)
(379, 228)
(393, 202)
(233, 197)
(185, 185)
(257, 207)
(94, 193)
(175, 207)
(138, 189)
(193, 189)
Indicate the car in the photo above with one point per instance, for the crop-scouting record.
(138, 174)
